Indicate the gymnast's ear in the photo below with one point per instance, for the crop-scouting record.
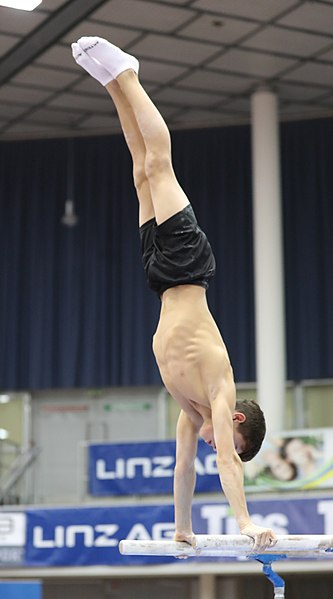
(239, 417)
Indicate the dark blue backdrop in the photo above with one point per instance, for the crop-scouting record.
(74, 306)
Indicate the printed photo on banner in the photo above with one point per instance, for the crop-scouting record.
(301, 459)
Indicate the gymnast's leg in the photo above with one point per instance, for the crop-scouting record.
(137, 149)
(167, 195)
(129, 126)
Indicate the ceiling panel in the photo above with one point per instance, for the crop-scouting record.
(64, 117)
(23, 95)
(310, 16)
(160, 72)
(223, 31)
(253, 9)
(257, 64)
(312, 72)
(170, 49)
(82, 102)
(103, 122)
(45, 77)
(237, 105)
(327, 55)
(168, 112)
(19, 22)
(201, 60)
(328, 101)
(146, 15)
(183, 97)
(298, 110)
(88, 85)
(203, 117)
(180, 2)
(298, 93)
(218, 82)
(51, 5)
(119, 35)
(59, 56)
(32, 128)
(286, 41)
(11, 111)
(7, 42)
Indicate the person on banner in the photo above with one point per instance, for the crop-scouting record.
(179, 263)
(279, 467)
(304, 453)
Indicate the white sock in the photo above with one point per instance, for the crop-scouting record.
(111, 57)
(92, 66)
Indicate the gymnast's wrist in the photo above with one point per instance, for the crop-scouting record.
(244, 522)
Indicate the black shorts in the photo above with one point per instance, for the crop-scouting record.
(176, 252)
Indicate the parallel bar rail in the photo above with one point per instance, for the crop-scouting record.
(314, 546)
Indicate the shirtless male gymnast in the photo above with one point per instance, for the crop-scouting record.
(178, 260)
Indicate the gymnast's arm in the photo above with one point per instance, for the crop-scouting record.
(185, 476)
(230, 469)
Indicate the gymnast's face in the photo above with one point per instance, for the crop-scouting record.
(239, 441)
(207, 434)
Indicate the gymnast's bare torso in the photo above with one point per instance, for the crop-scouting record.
(190, 352)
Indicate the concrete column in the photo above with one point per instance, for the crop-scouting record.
(268, 258)
(229, 588)
(207, 586)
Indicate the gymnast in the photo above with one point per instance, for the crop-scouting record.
(178, 261)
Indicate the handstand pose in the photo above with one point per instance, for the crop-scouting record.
(178, 260)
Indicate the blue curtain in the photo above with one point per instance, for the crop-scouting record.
(214, 167)
(307, 150)
(75, 309)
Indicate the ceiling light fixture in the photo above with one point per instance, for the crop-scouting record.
(21, 4)
(70, 218)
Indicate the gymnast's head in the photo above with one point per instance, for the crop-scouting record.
(249, 422)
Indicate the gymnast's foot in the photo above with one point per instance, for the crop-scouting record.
(188, 538)
(112, 58)
(94, 68)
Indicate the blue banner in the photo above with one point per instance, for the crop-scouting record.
(145, 469)
(288, 461)
(90, 536)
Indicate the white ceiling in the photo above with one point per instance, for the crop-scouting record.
(199, 59)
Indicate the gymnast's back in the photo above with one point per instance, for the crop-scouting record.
(188, 347)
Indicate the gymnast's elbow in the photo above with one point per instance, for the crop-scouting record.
(229, 466)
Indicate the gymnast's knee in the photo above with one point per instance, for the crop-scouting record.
(157, 164)
(139, 175)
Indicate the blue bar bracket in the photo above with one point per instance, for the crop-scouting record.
(276, 580)
(23, 589)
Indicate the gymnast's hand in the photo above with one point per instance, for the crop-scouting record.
(264, 538)
(188, 538)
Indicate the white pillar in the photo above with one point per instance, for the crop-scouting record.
(207, 586)
(268, 258)
(229, 587)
